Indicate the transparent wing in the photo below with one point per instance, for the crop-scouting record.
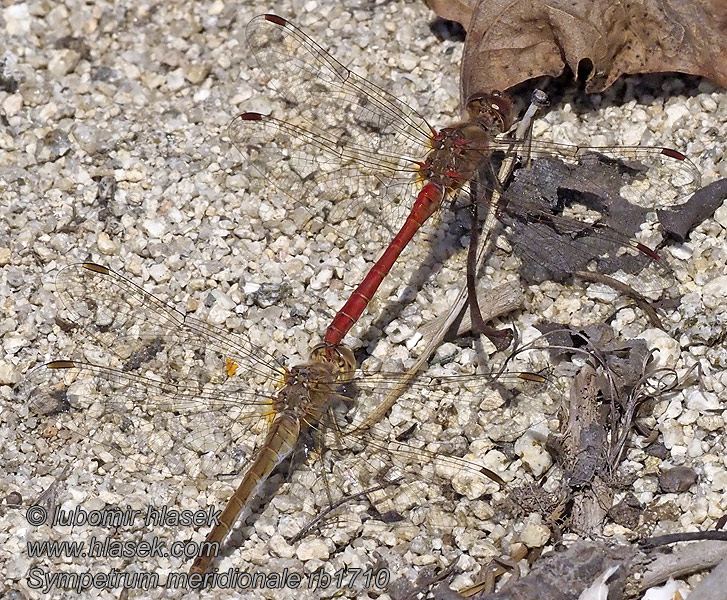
(145, 420)
(326, 93)
(326, 177)
(436, 452)
(343, 143)
(134, 326)
(151, 379)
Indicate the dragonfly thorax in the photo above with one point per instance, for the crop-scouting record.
(456, 155)
(309, 389)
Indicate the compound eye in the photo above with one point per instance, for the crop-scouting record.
(492, 110)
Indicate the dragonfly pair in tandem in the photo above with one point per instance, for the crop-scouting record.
(160, 395)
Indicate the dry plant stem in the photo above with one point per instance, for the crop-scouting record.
(501, 338)
(684, 561)
(585, 438)
(505, 171)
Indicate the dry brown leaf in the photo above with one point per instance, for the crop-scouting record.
(511, 41)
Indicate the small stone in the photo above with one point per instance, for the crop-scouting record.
(626, 513)
(12, 105)
(321, 279)
(314, 549)
(13, 499)
(54, 145)
(532, 451)
(714, 293)
(280, 547)
(5, 255)
(218, 314)
(408, 62)
(703, 401)
(13, 343)
(153, 227)
(175, 80)
(675, 112)
(87, 137)
(269, 294)
(216, 8)
(160, 273)
(105, 244)
(666, 348)
(196, 73)
(17, 19)
(8, 373)
(63, 62)
(535, 535)
(14, 277)
(720, 215)
(678, 479)
(657, 449)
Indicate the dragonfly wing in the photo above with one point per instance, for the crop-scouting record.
(406, 467)
(135, 326)
(334, 98)
(326, 178)
(344, 147)
(153, 384)
(147, 420)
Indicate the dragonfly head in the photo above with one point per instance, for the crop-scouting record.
(492, 111)
(339, 356)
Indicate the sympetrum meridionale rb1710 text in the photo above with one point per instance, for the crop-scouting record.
(155, 389)
(346, 150)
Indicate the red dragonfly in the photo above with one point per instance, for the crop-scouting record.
(349, 151)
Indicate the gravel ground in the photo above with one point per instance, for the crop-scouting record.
(113, 149)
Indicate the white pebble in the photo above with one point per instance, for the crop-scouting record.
(218, 314)
(675, 112)
(175, 80)
(673, 409)
(196, 73)
(666, 348)
(8, 373)
(63, 62)
(530, 448)
(312, 549)
(105, 244)
(321, 279)
(280, 547)
(535, 535)
(703, 401)
(714, 293)
(12, 105)
(720, 215)
(216, 7)
(154, 228)
(160, 273)
(17, 19)
(13, 343)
